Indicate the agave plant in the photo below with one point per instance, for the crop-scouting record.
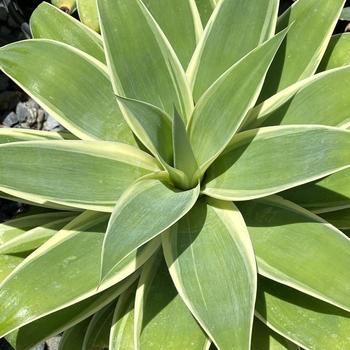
(197, 196)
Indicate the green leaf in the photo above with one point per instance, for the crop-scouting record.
(8, 135)
(184, 159)
(328, 194)
(15, 228)
(63, 272)
(97, 333)
(277, 227)
(88, 13)
(151, 125)
(265, 338)
(300, 55)
(71, 85)
(180, 23)
(73, 338)
(224, 31)
(308, 322)
(8, 263)
(222, 108)
(31, 239)
(337, 53)
(205, 9)
(35, 332)
(122, 331)
(47, 22)
(212, 264)
(145, 210)
(317, 100)
(163, 321)
(80, 175)
(338, 218)
(269, 160)
(130, 36)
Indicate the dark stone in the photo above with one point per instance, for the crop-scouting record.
(10, 120)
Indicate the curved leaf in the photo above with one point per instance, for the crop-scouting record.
(151, 125)
(31, 239)
(269, 160)
(88, 13)
(47, 22)
(322, 99)
(308, 322)
(73, 338)
(222, 108)
(140, 59)
(205, 9)
(81, 174)
(212, 264)
(300, 55)
(8, 135)
(63, 272)
(338, 218)
(279, 228)
(97, 333)
(337, 53)
(328, 194)
(122, 331)
(15, 228)
(144, 211)
(163, 321)
(180, 23)
(71, 85)
(265, 338)
(224, 42)
(184, 159)
(35, 332)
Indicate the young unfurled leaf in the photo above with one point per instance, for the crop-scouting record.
(184, 159)
(222, 108)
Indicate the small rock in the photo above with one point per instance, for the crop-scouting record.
(11, 119)
(51, 123)
(53, 343)
(39, 347)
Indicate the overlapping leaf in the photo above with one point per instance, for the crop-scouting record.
(130, 36)
(279, 228)
(144, 211)
(212, 264)
(308, 322)
(47, 22)
(162, 319)
(301, 54)
(84, 174)
(222, 108)
(71, 274)
(268, 160)
(214, 53)
(72, 86)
